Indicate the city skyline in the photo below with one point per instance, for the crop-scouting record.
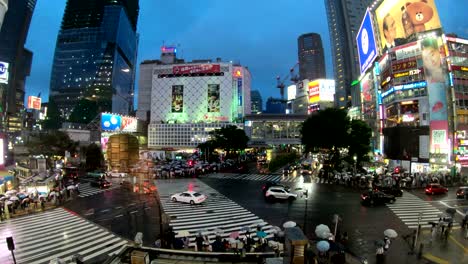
(183, 24)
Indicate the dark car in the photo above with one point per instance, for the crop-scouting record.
(462, 192)
(267, 185)
(100, 183)
(395, 191)
(435, 188)
(376, 197)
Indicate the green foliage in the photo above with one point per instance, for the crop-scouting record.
(359, 140)
(281, 160)
(53, 120)
(229, 138)
(94, 157)
(50, 144)
(327, 129)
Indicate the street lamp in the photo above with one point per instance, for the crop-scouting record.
(355, 161)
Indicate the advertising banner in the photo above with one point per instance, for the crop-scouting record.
(398, 20)
(4, 72)
(404, 66)
(199, 68)
(365, 39)
(314, 92)
(129, 124)
(177, 105)
(366, 88)
(110, 122)
(34, 102)
(213, 98)
(439, 137)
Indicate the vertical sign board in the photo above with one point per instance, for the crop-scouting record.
(177, 105)
(367, 49)
(34, 102)
(213, 98)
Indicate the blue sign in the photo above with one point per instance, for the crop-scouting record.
(404, 87)
(110, 122)
(3, 68)
(367, 50)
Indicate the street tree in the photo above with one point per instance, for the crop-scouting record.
(94, 157)
(53, 143)
(359, 140)
(230, 139)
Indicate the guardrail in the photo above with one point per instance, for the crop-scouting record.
(124, 256)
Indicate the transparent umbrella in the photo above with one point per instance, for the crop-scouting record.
(323, 246)
(289, 224)
(390, 233)
(322, 231)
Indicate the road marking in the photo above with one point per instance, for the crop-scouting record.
(105, 210)
(120, 215)
(132, 212)
(435, 259)
(458, 211)
(459, 244)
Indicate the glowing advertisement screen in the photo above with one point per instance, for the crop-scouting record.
(399, 20)
(213, 98)
(177, 105)
(110, 122)
(367, 49)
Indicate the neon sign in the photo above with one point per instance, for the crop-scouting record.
(408, 86)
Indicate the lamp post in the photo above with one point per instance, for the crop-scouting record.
(355, 161)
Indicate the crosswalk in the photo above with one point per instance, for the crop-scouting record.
(57, 233)
(255, 177)
(412, 209)
(87, 190)
(216, 213)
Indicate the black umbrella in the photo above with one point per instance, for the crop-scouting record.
(451, 211)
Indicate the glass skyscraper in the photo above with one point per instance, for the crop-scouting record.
(344, 19)
(95, 56)
(311, 57)
(15, 62)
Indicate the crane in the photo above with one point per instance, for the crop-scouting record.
(291, 76)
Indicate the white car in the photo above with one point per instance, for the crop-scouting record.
(189, 197)
(279, 193)
(116, 174)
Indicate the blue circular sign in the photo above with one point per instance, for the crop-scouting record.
(3, 68)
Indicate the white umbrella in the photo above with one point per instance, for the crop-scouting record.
(275, 229)
(9, 202)
(42, 196)
(14, 198)
(52, 193)
(390, 233)
(218, 231)
(322, 231)
(183, 233)
(10, 192)
(289, 224)
(71, 187)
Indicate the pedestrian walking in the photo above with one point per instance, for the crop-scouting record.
(433, 232)
(387, 243)
(199, 242)
(379, 254)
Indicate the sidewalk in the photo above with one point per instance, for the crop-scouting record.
(444, 251)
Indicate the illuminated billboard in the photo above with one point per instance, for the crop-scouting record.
(213, 98)
(198, 68)
(34, 102)
(113, 122)
(365, 39)
(4, 72)
(398, 20)
(177, 104)
(291, 92)
(314, 92)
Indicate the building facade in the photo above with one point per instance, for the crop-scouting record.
(257, 102)
(344, 18)
(15, 62)
(311, 57)
(276, 106)
(95, 56)
(190, 99)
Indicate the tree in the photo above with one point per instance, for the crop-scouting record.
(94, 157)
(53, 119)
(325, 130)
(51, 144)
(229, 138)
(359, 140)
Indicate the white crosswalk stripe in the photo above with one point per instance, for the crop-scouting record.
(57, 233)
(412, 209)
(266, 177)
(217, 212)
(87, 190)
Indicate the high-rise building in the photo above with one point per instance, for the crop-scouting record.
(311, 57)
(276, 106)
(15, 62)
(257, 102)
(95, 57)
(344, 20)
(3, 10)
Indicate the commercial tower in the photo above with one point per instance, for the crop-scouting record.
(311, 57)
(15, 62)
(257, 102)
(95, 57)
(344, 19)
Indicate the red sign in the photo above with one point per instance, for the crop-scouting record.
(34, 102)
(404, 66)
(199, 68)
(459, 68)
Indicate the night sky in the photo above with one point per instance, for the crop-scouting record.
(260, 34)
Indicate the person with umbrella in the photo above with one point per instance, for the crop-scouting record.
(379, 253)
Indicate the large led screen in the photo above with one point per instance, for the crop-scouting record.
(177, 99)
(398, 20)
